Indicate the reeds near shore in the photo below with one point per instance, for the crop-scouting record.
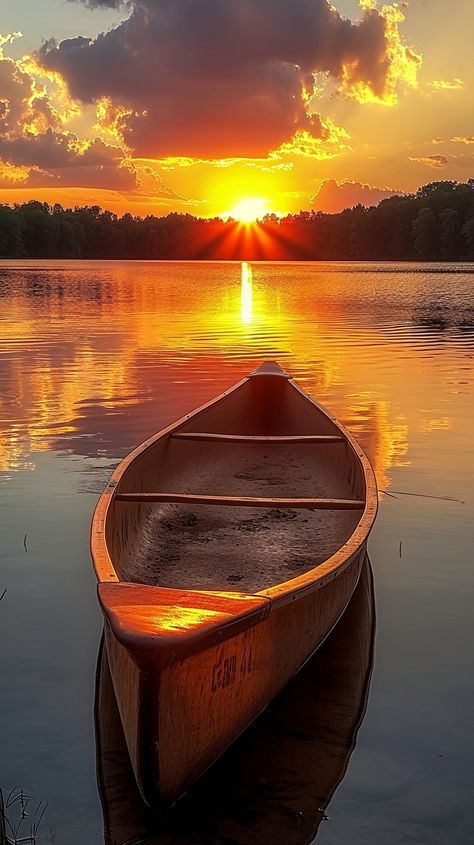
(20, 817)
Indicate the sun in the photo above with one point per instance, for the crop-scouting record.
(249, 209)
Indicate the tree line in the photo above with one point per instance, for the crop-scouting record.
(434, 224)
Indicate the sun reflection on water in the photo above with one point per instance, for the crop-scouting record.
(246, 293)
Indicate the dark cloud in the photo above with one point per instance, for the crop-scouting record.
(35, 150)
(221, 77)
(57, 162)
(333, 197)
(51, 164)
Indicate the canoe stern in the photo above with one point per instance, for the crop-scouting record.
(190, 678)
(148, 632)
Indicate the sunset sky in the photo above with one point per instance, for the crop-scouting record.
(233, 106)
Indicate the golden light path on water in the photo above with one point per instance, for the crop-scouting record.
(246, 294)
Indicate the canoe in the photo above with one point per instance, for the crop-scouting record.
(276, 781)
(226, 547)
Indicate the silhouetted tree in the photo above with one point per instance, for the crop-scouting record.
(450, 234)
(425, 234)
(40, 230)
(11, 224)
(468, 232)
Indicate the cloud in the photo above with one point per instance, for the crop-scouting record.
(10, 174)
(150, 181)
(436, 161)
(446, 84)
(463, 139)
(332, 141)
(59, 159)
(104, 4)
(77, 171)
(219, 78)
(334, 196)
(35, 147)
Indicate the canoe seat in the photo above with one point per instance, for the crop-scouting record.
(257, 438)
(242, 501)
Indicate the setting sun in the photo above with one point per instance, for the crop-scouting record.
(250, 209)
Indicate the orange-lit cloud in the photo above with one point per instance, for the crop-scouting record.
(333, 196)
(332, 141)
(12, 173)
(447, 84)
(436, 161)
(53, 158)
(377, 77)
(37, 148)
(110, 121)
(215, 79)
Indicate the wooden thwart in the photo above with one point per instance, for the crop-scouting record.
(257, 438)
(243, 501)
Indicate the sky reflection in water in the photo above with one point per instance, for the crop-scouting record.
(95, 357)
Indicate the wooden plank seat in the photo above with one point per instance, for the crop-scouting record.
(242, 501)
(257, 438)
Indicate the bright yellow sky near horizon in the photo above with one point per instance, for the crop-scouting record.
(65, 138)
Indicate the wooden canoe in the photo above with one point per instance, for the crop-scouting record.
(276, 781)
(226, 547)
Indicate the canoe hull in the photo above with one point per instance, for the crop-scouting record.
(192, 663)
(179, 715)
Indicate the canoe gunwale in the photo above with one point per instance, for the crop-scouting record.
(286, 591)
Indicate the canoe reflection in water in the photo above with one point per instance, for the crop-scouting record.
(275, 783)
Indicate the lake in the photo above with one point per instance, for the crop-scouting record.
(95, 357)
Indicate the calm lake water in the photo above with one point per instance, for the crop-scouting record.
(96, 356)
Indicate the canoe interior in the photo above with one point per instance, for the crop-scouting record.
(249, 549)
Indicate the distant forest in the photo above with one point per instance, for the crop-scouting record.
(435, 224)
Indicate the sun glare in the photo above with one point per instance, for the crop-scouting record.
(249, 210)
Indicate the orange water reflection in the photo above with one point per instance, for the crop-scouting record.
(97, 356)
